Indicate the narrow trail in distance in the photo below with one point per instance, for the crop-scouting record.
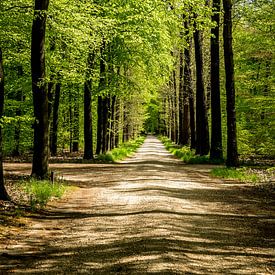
(150, 214)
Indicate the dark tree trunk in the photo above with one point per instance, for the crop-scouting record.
(3, 193)
(113, 123)
(232, 151)
(76, 125)
(40, 93)
(202, 132)
(184, 93)
(117, 122)
(176, 131)
(188, 90)
(104, 124)
(216, 120)
(54, 132)
(99, 126)
(88, 119)
(71, 122)
(101, 104)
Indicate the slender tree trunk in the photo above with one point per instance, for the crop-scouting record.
(216, 120)
(113, 123)
(117, 122)
(88, 118)
(232, 151)
(181, 100)
(70, 122)
(3, 193)
(104, 124)
(99, 126)
(189, 125)
(176, 102)
(202, 132)
(39, 89)
(76, 126)
(54, 132)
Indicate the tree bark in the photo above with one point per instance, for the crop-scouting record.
(76, 125)
(88, 119)
(54, 132)
(232, 151)
(39, 89)
(99, 126)
(113, 123)
(216, 120)
(202, 132)
(3, 193)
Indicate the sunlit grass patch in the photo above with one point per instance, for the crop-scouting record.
(241, 174)
(124, 150)
(186, 154)
(41, 192)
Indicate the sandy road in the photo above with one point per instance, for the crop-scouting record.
(149, 214)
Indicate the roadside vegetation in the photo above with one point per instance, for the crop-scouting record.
(124, 150)
(262, 176)
(186, 154)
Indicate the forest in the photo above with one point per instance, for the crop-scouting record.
(86, 76)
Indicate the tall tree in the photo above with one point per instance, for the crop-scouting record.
(202, 131)
(188, 87)
(54, 132)
(3, 192)
(232, 151)
(39, 89)
(216, 121)
(88, 121)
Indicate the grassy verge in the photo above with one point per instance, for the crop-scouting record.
(186, 154)
(253, 175)
(124, 150)
(41, 192)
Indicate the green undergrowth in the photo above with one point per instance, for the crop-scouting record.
(40, 192)
(246, 174)
(124, 150)
(186, 154)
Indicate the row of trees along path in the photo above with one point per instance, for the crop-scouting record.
(150, 214)
(105, 64)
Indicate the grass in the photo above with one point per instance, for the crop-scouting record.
(41, 192)
(242, 174)
(262, 177)
(124, 150)
(186, 154)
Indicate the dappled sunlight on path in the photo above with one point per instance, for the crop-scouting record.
(149, 214)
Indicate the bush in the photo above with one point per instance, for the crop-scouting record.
(123, 151)
(40, 192)
(186, 154)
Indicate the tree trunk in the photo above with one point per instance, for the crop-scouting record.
(104, 124)
(216, 120)
(39, 89)
(188, 90)
(88, 119)
(99, 126)
(117, 122)
(232, 151)
(76, 125)
(176, 102)
(3, 193)
(54, 132)
(202, 133)
(113, 123)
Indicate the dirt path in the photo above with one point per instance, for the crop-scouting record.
(150, 214)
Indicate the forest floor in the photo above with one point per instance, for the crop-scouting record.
(150, 214)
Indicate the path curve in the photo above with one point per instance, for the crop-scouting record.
(149, 214)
